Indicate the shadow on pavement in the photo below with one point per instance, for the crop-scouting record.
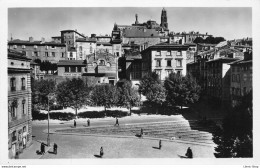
(98, 156)
(155, 147)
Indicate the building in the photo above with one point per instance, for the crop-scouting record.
(45, 51)
(241, 78)
(36, 72)
(102, 66)
(71, 68)
(184, 37)
(218, 81)
(19, 103)
(164, 59)
(69, 38)
(85, 46)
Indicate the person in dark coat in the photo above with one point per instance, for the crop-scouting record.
(101, 151)
(75, 123)
(88, 122)
(160, 144)
(42, 148)
(189, 153)
(141, 132)
(55, 148)
(117, 123)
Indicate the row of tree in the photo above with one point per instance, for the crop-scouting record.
(176, 90)
(76, 93)
(209, 40)
(46, 65)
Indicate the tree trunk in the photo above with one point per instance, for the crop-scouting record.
(130, 111)
(76, 112)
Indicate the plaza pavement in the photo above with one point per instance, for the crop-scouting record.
(115, 146)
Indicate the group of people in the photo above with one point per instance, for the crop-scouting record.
(55, 148)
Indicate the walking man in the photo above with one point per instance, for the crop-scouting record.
(55, 148)
(189, 153)
(74, 123)
(42, 148)
(160, 144)
(101, 152)
(88, 122)
(141, 134)
(117, 123)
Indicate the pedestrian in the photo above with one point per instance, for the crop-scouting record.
(141, 132)
(42, 148)
(117, 123)
(74, 123)
(24, 142)
(88, 122)
(101, 152)
(189, 153)
(16, 155)
(55, 148)
(160, 144)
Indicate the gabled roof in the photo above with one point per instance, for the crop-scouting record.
(71, 63)
(140, 33)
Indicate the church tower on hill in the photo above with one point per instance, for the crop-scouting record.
(164, 23)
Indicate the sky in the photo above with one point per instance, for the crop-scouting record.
(228, 22)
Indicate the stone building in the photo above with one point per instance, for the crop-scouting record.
(164, 59)
(102, 66)
(19, 103)
(71, 68)
(85, 46)
(45, 51)
(241, 78)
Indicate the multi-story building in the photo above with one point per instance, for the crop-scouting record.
(19, 103)
(164, 59)
(69, 38)
(45, 51)
(184, 37)
(241, 78)
(85, 46)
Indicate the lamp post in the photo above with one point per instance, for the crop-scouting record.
(50, 96)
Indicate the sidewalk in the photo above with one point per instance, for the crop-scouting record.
(30, 152)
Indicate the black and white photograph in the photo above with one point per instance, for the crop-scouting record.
(168, 82)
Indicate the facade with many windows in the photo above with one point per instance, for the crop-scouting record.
(241, 78)
(19, 103)
(51, 51)
(164, 59)
(71, 68)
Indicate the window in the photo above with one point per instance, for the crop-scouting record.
(117, 54)
(46, 47)
(101, 62)
(238, 78)
(80, 48)
(13, 84)
(169, 63)
(14, 136)
(78, 69)
(158, 72)
(23, 106)
(91, 49)
(13, 108)
(168, 53)
(46, 54)
(178, 53)
(71, 54)
(158, 52)
(67, 69)
(23, 46)
(179, 63)
(158, 63)
(168, 72)
(14, 46)
(35, 46)
(53, 54)
(53, 47)
(72, 69)
(23, 83)
(35, 53)
(179, 73)
(12, 63)
(62, 54)
(244, 91)
(24, 129)
(233, 91)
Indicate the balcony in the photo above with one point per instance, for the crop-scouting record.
(13, 89)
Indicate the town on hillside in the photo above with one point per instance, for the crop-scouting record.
(140, 87)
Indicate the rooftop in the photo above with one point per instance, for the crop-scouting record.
(13, 54)
(26, 42)
(140, 32)
(71, 63)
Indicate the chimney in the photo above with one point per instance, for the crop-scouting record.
(206, 33)
(93, 35)
(30, 39)
(43, 40)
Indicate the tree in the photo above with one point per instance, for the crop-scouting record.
(218, 40)
(181, 90)
(156, 96)
(127, 96)
(40, 91)
(147, 81)
(104, 95)
(198, 40)
(72, 93)
(234, 138)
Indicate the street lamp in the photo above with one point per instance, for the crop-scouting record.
(50, 96)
